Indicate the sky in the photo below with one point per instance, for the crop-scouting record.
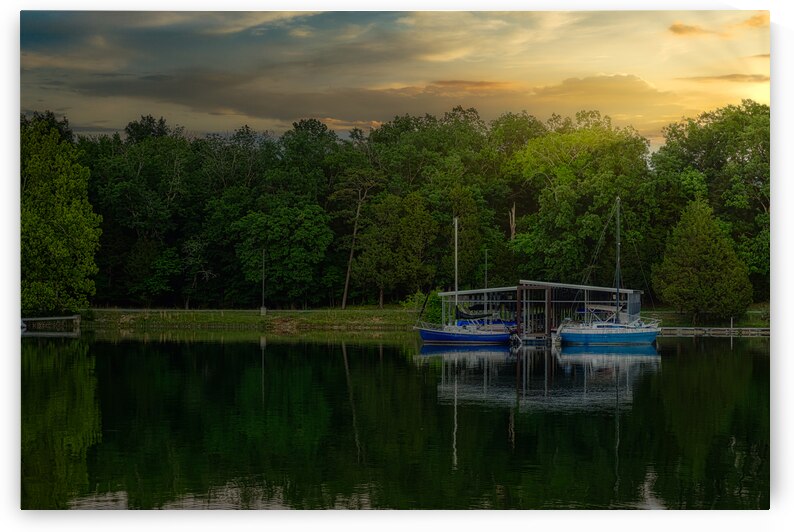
(213, 72)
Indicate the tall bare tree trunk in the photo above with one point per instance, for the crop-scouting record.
(350, 257)
(512, 216)
(350, 399)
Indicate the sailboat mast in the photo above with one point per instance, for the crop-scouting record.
(455, 315)
(485, 295)
(617, 265)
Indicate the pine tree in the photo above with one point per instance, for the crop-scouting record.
(701, 273)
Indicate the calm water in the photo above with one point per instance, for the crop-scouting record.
(260, 423)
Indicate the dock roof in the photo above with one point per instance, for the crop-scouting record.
(539, 284)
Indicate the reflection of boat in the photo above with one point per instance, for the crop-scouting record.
(608, 356)
(469, 331)
(463, 349)
(567, 379)
(629, 350)
(607, 325)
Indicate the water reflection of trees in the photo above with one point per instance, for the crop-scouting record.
(564, 418)
(60, 420)
(710, 439)
(200, 425)
(690, 430)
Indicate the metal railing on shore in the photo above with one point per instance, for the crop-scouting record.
(714, 331)
(52, 326)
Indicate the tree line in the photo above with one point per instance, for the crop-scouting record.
(154, 217)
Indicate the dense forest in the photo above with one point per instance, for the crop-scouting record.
(176, 221)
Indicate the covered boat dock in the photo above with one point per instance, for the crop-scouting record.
(537, 307)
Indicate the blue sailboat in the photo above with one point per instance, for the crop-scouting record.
(462, 334)
(637, 332)
(607, 325)
(471, 332)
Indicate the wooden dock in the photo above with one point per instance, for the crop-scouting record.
(714, 331)
(55, 326)
(687, 332)
(535, 339)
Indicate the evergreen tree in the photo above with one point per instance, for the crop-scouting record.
(701, 272)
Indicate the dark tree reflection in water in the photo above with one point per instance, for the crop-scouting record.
(381, 423)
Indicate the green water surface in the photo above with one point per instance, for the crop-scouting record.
(381, 423)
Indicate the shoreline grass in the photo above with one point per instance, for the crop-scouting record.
(261, 338)
(279, 321)
(374, 319)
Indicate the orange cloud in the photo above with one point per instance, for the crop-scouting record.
(758, 21)
(338, 124)
(685, 30)
(761, 20)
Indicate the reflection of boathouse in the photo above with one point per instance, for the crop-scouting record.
(560, 380)
(537, 307)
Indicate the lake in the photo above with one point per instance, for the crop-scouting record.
(238, 421)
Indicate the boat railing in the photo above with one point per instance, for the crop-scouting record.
(428, 326)
(468, 327)
(647, 322)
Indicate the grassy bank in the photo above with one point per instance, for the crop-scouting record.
(359, 337)
(286, 322)
(276, 321)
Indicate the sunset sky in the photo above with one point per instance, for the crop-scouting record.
(214, 72)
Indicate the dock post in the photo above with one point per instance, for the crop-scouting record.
(519, 303)
(548, 308)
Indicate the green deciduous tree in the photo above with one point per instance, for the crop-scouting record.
(723, 155)
(60, 231)
(295, 240)
(397, 246)
(146, 127)
(52, 122)
(577, 173)
(700, 273)
(537, 195)
(306, 151)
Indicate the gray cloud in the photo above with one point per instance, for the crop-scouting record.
(249, 96)
(348, 69)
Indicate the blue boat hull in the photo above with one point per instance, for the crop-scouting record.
(629, 337)
(432, 336)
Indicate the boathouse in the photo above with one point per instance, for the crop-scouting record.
(537, 307)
